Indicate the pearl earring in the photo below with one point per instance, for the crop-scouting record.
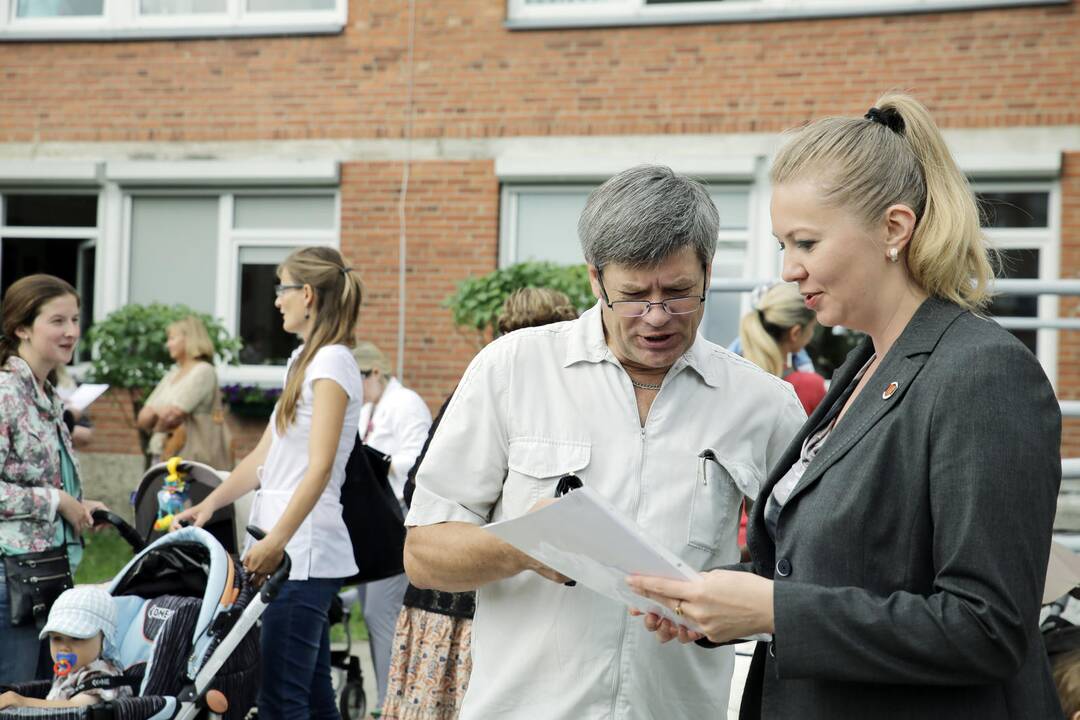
(894, 254)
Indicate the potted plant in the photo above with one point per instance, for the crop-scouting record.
(478, 300)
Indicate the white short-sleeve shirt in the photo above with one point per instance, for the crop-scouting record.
(543, 402)
(321, 547)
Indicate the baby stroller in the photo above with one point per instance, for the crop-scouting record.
(184, 612)
(201, 480)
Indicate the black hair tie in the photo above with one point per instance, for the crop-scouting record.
(889, 117)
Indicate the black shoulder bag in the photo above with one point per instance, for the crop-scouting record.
(373, 515)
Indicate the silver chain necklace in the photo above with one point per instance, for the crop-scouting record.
(644, 386)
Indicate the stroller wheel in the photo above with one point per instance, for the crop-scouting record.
(353, 703)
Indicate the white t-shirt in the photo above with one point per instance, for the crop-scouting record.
(321, 547)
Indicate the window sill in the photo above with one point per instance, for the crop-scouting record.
(171, 32)
(554, 17)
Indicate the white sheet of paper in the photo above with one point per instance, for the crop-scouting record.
(583, 537)
(83, 395)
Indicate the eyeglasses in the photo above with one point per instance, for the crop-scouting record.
(640, 308)
(279, 290)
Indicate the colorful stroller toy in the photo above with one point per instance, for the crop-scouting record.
(165, 489)
(185, 611)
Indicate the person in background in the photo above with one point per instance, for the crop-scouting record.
(772, 336)
(185, 411)
(1066, 667)
(632, 400)
(432, 658)
(41, 505)
(774, 332)
(299, 468)
(78, 422)
(900, 547)
(395, 421)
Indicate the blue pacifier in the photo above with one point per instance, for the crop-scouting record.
(64, 663)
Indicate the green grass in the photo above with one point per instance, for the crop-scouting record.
(357, 628)
(106, 553)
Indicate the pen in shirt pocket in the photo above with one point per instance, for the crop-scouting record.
(566, 484)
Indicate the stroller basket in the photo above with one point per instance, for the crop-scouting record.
(185, 610)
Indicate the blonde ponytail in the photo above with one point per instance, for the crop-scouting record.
(778, 309)
(949, 256)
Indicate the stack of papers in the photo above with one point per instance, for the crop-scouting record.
(585, 538)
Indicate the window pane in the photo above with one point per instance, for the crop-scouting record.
(1014, 209)
(547, 225)
(287, 5)
(1019, 264)
(174, 243)
(58, 8)
(179, 7)
(265, 342)
(50, 210)
(734, 208)
(284, 211)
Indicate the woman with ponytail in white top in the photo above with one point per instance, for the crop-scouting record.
(298, 467)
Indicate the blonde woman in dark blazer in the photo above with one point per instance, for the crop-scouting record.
(900, 545)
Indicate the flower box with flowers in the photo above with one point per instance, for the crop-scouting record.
(250, 400)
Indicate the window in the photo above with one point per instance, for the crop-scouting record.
(540, 223)
(54, 232)
(59, 8)
(108, 19)
(1017, 219)
(526, 14)
(218, 253)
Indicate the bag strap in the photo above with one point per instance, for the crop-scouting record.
(107, 682)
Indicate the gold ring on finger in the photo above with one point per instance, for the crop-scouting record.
(678, 608)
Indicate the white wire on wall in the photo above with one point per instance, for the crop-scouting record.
(403, 244)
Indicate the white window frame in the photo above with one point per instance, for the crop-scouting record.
(525, 15)
(122, 19)
(1047, 241)
(230, 241)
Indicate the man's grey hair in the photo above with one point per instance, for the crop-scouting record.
(645, 214)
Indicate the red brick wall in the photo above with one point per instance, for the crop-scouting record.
(114, 424)
(1069, 342)
(474, 78)
(452, 212)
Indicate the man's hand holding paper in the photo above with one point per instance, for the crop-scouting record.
(584, 538)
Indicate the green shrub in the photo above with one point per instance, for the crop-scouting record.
(129, 345)
(478, 300)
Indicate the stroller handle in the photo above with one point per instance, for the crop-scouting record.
(272, 587)
(107, 517)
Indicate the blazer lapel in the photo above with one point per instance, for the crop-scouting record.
(886, 388)
(761, 546)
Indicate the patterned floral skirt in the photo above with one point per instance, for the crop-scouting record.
(430, 667)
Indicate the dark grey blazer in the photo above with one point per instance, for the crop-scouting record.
(910, 558)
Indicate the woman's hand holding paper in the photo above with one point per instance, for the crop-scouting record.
(725, 604)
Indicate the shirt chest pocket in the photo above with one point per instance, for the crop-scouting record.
(714, 507)
(535, 466)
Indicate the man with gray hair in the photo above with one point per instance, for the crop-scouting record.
(671, 429)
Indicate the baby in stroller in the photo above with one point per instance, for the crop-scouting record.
(82, 636)
(184, 614)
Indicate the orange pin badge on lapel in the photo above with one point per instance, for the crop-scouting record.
(890, 389)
